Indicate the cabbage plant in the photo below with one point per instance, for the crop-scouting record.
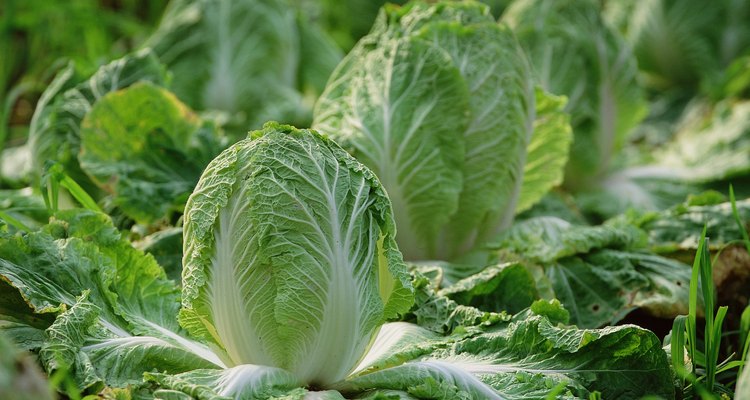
(146, 150)
(124, 138)
(682, 44)
(293, 237)
(253, 59)
(575, 53)
(291, 274)
(55, 129)
(439, 100)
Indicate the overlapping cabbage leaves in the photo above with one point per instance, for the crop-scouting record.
(291, 235)
(254, 59)
(439, 101)
(599, 273)
(575, 53)
(710, 149)
(291, 271)
(54, 133)
(122, 136)
(146, 149)
(682, 43)
(711, 143)
(678, 228)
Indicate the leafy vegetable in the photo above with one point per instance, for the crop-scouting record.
(503, 287)
(546, 176)
(600, 273)
(147, 149)
(55, 134)
(291, 270)
(244, 57)
(711, 143)
(113, 308)
(547, 152)
(575, 53)
(166, 247)
(678, 228)
(679, 43)
(290, 234)
(439, 101)
(22, 206)
(708, 150)
(524, 358)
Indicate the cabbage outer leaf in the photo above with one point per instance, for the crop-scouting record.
(112, 310)
(524, 358)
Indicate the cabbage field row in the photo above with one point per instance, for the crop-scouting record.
(318, 199)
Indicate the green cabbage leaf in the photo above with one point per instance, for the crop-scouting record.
(440, 102)
(292, 288)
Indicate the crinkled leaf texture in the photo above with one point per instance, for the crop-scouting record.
(522, 358)
(291, 270)
(547, 152)
(147, 149)
(503, 287)
(114, 310)
(290, 257)
(600, 273)
(54, 133)
(240, 382)
(166, 247)
(439, 101)
(678, 228)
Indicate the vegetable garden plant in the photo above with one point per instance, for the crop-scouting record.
(474, 212)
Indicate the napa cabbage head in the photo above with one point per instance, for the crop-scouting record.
(290, 258)
(682, 45)
(254, 60)
(440, 102)
(574, 52)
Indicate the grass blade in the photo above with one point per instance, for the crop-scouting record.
(710, 340)
(738, 220)
(79, 194)
(744, 336)
(14, 222)
(677, 348)
(713, 346)
(691, 322)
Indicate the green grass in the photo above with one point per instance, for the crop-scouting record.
(745, 318)
(701, 377)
